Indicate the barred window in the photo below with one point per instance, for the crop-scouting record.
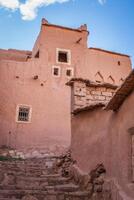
(23, 113)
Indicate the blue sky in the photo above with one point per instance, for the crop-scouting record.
(110, 22)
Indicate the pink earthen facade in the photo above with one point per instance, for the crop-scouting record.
(103, 136)
(26, 78)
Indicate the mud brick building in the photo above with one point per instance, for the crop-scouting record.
(35, 102)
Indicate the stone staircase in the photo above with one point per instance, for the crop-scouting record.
(36, 179)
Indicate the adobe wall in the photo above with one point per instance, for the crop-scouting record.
(49, 130)
(122, 165)
(87, 63)
(52, 38)
(89, 139)
(101, 136)
(16, 55)
(49, 97)
(107, 65)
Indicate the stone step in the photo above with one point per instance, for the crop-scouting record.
(36, 177)
(80, 195)
(33, 183)
(25, 163)
(23, 187)
(23, 172)
(26, 172)
(22, 168)
(9, 199)
(29, 173)
(45, 187)
(25, 179)
(17, 195)
(51, 180)
(67, 187)
(30, 168)
(35, 162)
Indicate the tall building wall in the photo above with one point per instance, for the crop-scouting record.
(35, 84)
(49, 100)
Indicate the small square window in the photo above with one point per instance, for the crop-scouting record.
(63, 56)
(69, 72)
(23, 113)
(56, 71)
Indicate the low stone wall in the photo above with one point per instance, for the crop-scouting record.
(29, 153)
(88, 94)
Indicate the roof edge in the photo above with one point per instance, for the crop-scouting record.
(80, 29)
(18, 51)
(111, 52)
(88, 108)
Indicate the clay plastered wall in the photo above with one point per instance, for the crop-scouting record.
(103, 137)
(49, 98)
(50, 102)
(122, 145)
(15, 55)
(50, 128)
(90, 139)
(87, 63)
(107, 65)
(52, 38)
(84, 95)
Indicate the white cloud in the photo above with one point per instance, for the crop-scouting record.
(9, 4)
(30, 8)
(102, 1)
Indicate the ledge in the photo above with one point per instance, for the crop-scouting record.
(88, 108)
(110, 52)
(91, 84)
